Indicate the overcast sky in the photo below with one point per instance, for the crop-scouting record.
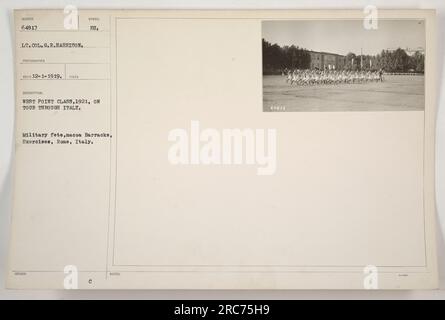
(346, 36)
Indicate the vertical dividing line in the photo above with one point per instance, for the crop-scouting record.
(110, 147)
(115, 137)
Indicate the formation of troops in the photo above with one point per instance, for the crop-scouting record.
(313, 77)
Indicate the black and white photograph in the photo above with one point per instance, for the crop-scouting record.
(228, 158)
(340, 65)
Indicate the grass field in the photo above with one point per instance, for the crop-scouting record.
(396, 93)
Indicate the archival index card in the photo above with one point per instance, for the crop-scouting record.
(224, 150)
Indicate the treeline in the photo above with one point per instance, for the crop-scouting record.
(391, 61)
(277, 58)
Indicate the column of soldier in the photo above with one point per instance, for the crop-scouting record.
(314, 77)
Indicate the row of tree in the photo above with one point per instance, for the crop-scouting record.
(391, 61)
(277, 58)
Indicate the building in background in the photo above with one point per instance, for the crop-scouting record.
(326, 60)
